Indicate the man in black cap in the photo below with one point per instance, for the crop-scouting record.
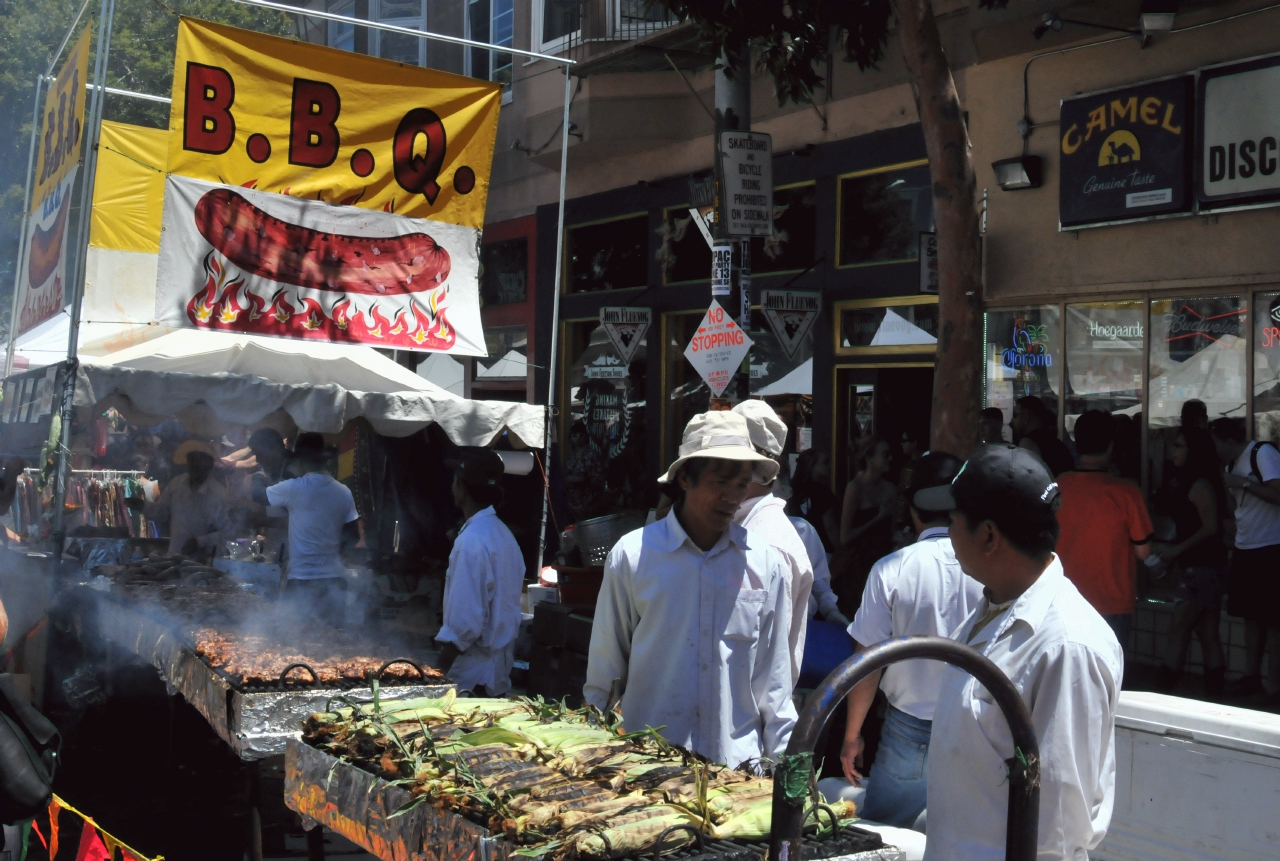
(1060, 654)
(482, 585)
(916, 591)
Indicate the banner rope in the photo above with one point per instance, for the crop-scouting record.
(110, 837)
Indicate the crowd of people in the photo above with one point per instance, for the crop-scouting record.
(1028, 552)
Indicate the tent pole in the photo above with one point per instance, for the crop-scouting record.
(89, 148)
(555, 314)
(22, 237)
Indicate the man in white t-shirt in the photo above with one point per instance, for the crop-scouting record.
(1253, 591)
(919, 590)
(320, 511)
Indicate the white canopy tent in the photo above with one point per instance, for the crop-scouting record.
(216, 377)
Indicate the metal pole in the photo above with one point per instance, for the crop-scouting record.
(555, 314)
(22, 237)
(89, 147)
(733, 113)
(794, 774)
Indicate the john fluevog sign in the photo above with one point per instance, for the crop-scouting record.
(1125, 153)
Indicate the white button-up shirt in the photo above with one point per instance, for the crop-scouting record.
(203, 513)
(699, 639)
(822, 601)
(482, 603)
(767, 517)
(916, 591)
(1067, 664)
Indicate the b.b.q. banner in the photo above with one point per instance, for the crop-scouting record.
(278, 152)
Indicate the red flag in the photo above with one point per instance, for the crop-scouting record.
(54, 809)
(91, 848)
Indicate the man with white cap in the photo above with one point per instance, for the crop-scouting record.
(691, 625)
(195, 506)
(764, 513)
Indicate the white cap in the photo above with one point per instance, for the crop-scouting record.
(722, 435)
(768, 432)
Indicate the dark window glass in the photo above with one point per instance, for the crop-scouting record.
(504, 272)
(610, 255)
(896, 326)
(793, 244)
(684, 254)
(883, 214)
(560, 18)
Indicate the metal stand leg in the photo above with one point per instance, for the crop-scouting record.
(315, 844)
(255, 816)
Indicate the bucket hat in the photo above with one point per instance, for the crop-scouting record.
(719, 434)
(192, 445)
(768, 432)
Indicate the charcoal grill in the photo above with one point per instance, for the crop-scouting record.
(326, 791)
(254, 720)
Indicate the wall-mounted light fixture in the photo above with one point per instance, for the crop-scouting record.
(1157, 15)
(1017, 174)
(1052, 21)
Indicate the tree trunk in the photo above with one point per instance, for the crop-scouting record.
(957, 381)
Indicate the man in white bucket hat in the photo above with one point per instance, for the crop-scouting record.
(692, 622)
(766, 514)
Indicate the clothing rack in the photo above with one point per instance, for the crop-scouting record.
(109, 474)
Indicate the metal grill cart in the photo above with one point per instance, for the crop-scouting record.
(795, 773)
(255, 721)
(363, 808)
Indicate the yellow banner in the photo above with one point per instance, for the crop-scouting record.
(62, 126)
(128, 192)
(320, 123)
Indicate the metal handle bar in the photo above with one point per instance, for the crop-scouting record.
(1024, 768)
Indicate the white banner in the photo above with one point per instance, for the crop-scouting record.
(42, 289)
(259, 263)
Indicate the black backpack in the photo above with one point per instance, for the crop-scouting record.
(29, 744)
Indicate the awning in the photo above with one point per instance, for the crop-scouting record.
(244, 380)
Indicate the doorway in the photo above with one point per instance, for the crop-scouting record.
(884, 400)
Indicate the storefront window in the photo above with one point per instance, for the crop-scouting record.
(1266, 367)
(1023, 356)
(1104, 358)
(883, 213)
(684, 254)
(504, 272)
(605, 471)
(508, 357)
(609, 255)
(1197, 352)
(793, 245)
(891, 327)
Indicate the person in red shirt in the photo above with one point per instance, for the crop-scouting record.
(1105, 527)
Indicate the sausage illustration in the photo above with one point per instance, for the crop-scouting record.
(293, 254)
(46, 246)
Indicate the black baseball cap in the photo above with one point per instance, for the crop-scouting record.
(480, 468)
(309, 446)
(998, 482)
(935, 470)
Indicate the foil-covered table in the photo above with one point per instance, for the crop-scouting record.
(363, 808)
(256, 725)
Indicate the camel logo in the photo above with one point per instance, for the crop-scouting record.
(1120, 147)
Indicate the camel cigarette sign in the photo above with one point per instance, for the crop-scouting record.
(1126, 153)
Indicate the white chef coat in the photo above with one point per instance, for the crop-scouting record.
(1068, 666)
(482, 603)
(916, 591)
(698, 638)
(767, 516)
(822, 601)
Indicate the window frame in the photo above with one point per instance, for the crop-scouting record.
(566, 268)
(413, 23)
(556, 46)
(855, 174)
(838, 309)
(469, 66)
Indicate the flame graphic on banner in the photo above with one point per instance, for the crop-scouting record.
(228, 302)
